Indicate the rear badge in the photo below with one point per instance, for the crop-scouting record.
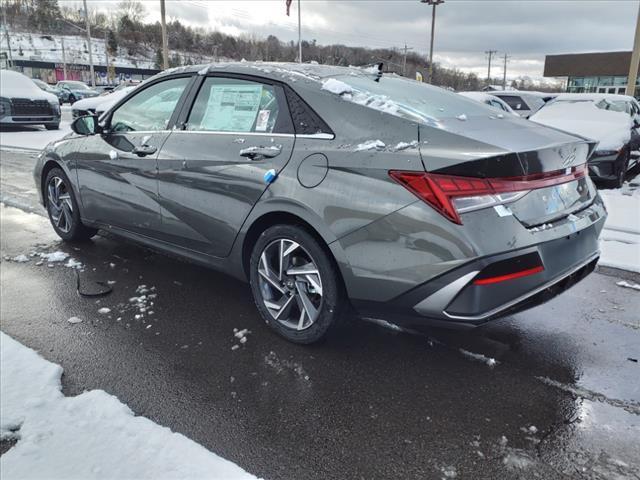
(502, 211)
(270, 176)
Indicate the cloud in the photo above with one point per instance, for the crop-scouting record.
(527, 30)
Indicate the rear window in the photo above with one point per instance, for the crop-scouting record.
(405, 98)
(515, 102)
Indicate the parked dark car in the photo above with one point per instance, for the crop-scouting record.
(329, 188)
(73, 90)
(22, 102)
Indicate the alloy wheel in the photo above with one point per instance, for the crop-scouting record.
(59, 204)
(290, 284)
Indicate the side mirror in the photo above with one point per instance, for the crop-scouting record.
(86, 125)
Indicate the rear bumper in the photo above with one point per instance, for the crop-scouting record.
(454, 300)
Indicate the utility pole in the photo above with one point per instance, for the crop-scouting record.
(404, 61)
(64, 60)
(86, 18)
(490, 53)
(635, 60)
(6, 34)
(165, 41)
(434, 4)
(299, 34)
(504, 75)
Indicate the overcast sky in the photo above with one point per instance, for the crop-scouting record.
(525, 30)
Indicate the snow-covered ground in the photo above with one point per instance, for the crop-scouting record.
(92, 435)
(31, 138)
(620, 240)
(48, 48)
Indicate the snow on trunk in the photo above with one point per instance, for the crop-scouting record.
(92, 435)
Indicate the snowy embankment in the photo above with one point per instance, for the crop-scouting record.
(31, 138)
(620, 239)
(92, 435)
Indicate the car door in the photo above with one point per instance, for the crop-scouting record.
(237, 132)
(117, 171)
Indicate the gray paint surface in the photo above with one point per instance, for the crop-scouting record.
(197, 197)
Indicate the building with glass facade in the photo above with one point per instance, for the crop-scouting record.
(601, 72)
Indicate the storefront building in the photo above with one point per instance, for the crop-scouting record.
(51, 73)
(601, 72)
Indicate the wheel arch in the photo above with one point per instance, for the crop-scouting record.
(274, 217)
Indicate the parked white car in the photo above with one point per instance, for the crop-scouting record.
(523, 103)
(99, 105)
(22, 102)
(489, 99)
(611, 120)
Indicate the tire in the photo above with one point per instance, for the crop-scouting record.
(622, 164)
(62, 208)
(52, 126)
(320, 295)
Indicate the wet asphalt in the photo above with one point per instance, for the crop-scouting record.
(562, 400)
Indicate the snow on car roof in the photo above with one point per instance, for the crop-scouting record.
(611, 129)
(15, 84)
(594, 97)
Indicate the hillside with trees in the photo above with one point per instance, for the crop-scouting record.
(124, 28)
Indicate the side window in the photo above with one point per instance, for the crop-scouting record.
(235, 105)
(515, 102)
(151, 109)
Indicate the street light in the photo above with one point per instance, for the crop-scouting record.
(434, 4)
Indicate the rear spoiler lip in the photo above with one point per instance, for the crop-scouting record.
(514, 163)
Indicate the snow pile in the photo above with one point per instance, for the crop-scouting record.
(22, 258)
(54, 256)
(241, 335)
(74, 320)
(492, 362)
(611, 129)
(92, 435)
(280, 364)
(144, 302)
(462, 117)
(625, 284)
(377, 102)
(370, 145)
(404, 146)
(620, 239)
(336, 86)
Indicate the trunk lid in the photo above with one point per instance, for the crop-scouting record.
(512, 148)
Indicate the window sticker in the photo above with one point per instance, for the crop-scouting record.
(263, 120)
(232, 108)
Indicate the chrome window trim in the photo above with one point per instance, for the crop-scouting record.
(237, 134)
(316, 136)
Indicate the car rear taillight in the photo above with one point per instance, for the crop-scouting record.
(451, 195)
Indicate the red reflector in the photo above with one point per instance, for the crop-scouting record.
(509, 276)
(440, 190)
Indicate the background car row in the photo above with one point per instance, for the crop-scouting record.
(612, 120)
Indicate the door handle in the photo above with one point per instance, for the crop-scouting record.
(144, 150)
(257, 153)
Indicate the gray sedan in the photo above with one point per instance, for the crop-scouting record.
(332, 188)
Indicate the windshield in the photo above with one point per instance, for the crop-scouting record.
(409, 99)
(76, 85)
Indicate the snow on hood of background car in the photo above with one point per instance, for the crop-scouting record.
(611, 129)
(17, 85)
(102, 102)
